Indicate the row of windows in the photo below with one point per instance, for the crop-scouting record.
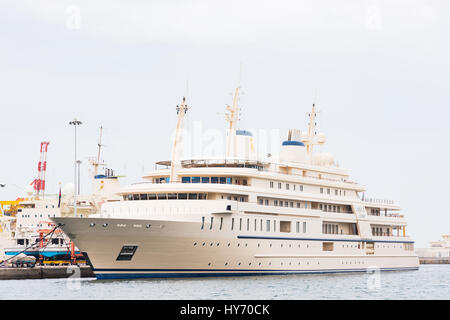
(330, 228)
(255, 225)
(337, 192)
(379, 231)
(40, 216)
(287, 186)
(166, 196)
(281, 203)
(334, 208)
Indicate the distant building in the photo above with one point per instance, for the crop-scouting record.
(438, 249)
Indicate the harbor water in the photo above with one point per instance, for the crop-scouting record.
(429, 282)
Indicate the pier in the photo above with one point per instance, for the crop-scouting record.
(46, 272)
(434, 260)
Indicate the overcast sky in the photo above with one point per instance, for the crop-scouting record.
(378, 71)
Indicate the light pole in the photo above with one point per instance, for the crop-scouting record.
(75, 123)
(79, 165)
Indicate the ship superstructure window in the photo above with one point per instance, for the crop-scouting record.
(221, 223)
(271, 184)
(205, 179)
(203, 223)
(279, 185)
(127, 253)
(297, 227)
(321, 190)
(287, 186)
(304, 227)
(285, 226)
(301, 187)
(195, 179)
(232, 223)
(211, 225)
(268, 225)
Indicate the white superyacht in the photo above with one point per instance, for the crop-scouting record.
(242, 216)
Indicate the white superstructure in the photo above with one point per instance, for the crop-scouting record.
(240, 216)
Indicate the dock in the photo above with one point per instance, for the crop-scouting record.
(46, 272)
(434, 260)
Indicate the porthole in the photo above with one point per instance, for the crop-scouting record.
(239, 244)
(250, 264)
(203, 244)
(195, 243)
(211, 244)
(259, 245)
(259, 263)
(226, 263)
(148, 226)
(239, 264)
(209, 264)
(92, 225)
(217, 244)
(228, 244)
(245, 244)
(105, 225)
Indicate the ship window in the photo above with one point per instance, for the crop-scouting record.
(286, 204)
(304, 227)
(297, 227)
(182, 196)
(281, 203)
(223, 180)
(279, 185)
(202, 196)
(266, 202)
(144, 196)
(20, 242)
(221, 223)
(186, 179)
(205, 179)
(127, 253)
(287, 186)
(193, 196)
(214, 179)
(203, 223)
(255, 224)
(135, 197)
(240, 224)
(321, 190)
(260, 201)
(301, 187)
(162, 196)
(285, 226)
(55, 241)
(211, 225)
(335, 192)
(328, 191)
(294, 187)
(232, 223)
(261, 225)
(248, 224)
(327, 246)
(275, 202)
(292, 204)
(172, 196)
(152, 196)
(274, 226)
(195, 179)
(298, 204)
(268, 225)
(130, 196)
(125, 198)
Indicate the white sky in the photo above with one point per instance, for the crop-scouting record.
(380, 70)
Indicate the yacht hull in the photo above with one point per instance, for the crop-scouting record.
(166, 248)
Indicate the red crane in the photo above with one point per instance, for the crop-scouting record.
(39, 183)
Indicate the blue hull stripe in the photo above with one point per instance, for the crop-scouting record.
(169, 273)
(319, 239)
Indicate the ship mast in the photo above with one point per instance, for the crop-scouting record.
(309, 141)
(175, 163)
(232, 117)
(96, 163)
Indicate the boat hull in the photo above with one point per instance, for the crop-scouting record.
(182, 249)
